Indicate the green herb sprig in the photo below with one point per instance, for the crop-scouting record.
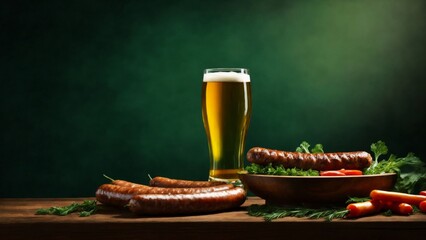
(271, 212)
(357, 199)
(304, 148)
(279, 170)
(410, 169)
(87, 208)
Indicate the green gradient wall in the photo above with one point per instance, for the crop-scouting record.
(114, 87)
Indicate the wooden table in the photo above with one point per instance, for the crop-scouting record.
(17, 221)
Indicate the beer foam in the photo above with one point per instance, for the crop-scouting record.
(226, 77)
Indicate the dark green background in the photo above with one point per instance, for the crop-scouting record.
(114, 87)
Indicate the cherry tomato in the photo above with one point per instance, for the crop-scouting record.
(331, 173)
(351, 171)
(422, 206)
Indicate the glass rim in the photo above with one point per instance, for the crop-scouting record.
(236, 70)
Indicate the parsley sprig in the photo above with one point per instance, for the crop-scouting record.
(411, 171)
(304, 148)
(279, 170)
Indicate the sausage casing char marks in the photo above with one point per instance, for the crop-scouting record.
(174, 204)
(317, 161)
(125, 183)
(177, 183)
(116, 195)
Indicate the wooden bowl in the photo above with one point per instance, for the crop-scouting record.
(314, 189)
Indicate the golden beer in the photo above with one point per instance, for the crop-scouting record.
(226, 106)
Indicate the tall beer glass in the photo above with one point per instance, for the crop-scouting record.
(226, 106)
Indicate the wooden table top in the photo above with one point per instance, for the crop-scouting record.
(18, 221)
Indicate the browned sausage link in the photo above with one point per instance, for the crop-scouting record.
(124, 183)
(158, 204)
(176, 183)
(116, 195)
(316, 161)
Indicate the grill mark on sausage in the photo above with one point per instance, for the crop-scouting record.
(178, 204)
(116, 195)
(124, 183)
(177, 183)
(317, 161)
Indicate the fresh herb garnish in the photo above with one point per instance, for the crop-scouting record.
(279, 170)
(379, 148)
(271, 212)
(411, 181)
(318, 148)
(410, 169)
(304, 148)
(387, 213)
(87, 208)
(416, 209)
(357, 199)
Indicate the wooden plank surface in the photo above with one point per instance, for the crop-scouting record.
(17, 221)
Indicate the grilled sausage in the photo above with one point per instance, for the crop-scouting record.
(116, 195)
(317, 161)
(124, 183)
(176, 183)
(178, 204)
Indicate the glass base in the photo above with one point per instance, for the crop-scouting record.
(236, 182)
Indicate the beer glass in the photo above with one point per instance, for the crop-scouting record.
(226, 107)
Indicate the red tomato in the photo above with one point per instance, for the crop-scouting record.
(398, 208)
(351, 171)
(331, 173)
(341, 172)
(423, 193)
(422, 206)
(405, 209)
